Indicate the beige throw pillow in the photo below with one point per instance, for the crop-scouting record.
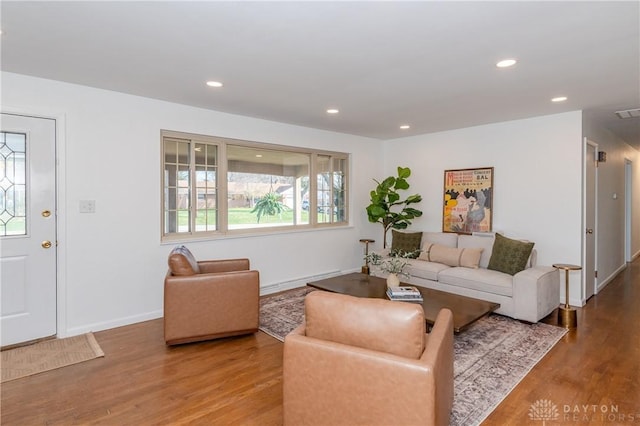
(465, 257)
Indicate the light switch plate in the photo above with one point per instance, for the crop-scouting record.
(87, 206)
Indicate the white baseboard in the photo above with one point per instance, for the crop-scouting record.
(267, 289)
(300, 282)
(601, 285)
(118, 322)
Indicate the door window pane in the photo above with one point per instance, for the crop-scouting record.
(13, 184)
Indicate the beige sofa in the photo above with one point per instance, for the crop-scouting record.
(528, 295)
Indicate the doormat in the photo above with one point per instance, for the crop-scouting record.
(490, 357)
(48, 355)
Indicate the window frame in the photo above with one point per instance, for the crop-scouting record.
(222, 226)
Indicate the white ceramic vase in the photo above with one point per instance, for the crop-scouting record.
(393, 280)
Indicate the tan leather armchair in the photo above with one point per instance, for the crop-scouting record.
(209, 299)
(358, 361)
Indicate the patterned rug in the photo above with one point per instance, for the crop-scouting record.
(48, 355)
(491, 357)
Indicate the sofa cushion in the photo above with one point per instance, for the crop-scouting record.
(479, 279)
(182, 262)
(467, 257)
(406, 243)
(427, 270)
(509, 256)
(447, 239)
(475, 241)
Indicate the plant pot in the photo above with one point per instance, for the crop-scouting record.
(393, 280)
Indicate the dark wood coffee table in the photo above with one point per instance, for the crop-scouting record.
(466, 310)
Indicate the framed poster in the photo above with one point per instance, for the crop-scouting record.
(468, 200)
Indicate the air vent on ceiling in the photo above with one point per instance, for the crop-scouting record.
(629, 113)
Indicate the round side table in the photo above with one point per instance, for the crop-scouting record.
(366, 241)
(567, 316)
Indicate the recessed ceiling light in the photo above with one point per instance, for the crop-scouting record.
(333, 111)
(405, 127)
(506, 63)
(258, 155)
(214, 84)
(559, 99)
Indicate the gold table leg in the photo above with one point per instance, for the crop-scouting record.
(365, 269)
(567, 316)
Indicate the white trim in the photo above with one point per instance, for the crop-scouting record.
(628, 208)
(300, 282)
(614, 274)
(583, 283)
(61, 228)
(119, 322)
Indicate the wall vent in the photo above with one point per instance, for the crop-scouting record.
(629, 113)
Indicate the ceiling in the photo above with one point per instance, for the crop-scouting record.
(382, 64)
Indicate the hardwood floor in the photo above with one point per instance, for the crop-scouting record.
(595, 367)
(238, 380)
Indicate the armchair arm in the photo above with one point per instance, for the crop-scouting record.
(536, 292)
(439, 355)
(225, 265)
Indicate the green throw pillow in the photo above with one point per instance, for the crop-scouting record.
(509, 256)
(406, 242)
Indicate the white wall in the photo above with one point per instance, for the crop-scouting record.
(537, 180)
(611, 210)
(113, 262)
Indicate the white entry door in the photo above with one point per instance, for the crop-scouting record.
(27, 229)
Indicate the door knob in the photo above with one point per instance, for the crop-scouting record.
(46, 244)
(46, 213)
(589, 231)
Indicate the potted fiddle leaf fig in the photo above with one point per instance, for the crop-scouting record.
(386, 206)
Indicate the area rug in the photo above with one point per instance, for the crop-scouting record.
(48, 355)
(280, 313)
(490, 358)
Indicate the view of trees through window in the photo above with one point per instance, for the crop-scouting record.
(266, 186)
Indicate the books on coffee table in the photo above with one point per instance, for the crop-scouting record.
(404, 293)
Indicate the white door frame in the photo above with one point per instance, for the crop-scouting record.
(586, 143)
(628, 203)
(61, 230)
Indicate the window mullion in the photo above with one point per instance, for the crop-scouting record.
(222, 188)
(313, 190)
(331, 190)
(193, 192)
